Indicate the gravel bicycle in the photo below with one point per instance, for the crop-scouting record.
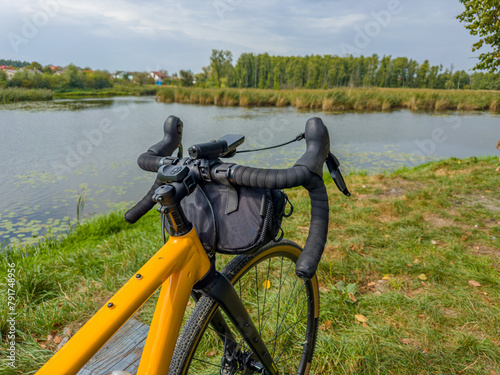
(259, 315)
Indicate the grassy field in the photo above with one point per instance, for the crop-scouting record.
(12, 95)
(342, 99)
(421, 246)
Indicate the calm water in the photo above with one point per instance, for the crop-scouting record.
(52, 153)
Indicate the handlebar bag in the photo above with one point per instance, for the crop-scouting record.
(255, 222)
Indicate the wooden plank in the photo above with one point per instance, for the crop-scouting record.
(122, 352)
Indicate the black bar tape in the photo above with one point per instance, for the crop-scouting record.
(298, 175)
(143, 206)
(149, 161)
(318, 230)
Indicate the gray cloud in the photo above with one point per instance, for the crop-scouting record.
(133, 35)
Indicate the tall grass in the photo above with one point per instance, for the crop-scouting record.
(117, 90)
(11, 95)
(342, 99)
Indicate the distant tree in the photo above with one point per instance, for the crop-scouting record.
(187, 77)
(3, 78)
(14, 63)
(35, 65)
(202, 78)
(220, 66)
(73, 76)
(483, 20)
(142, 79)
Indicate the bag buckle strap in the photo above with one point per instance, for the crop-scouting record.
(221, 176)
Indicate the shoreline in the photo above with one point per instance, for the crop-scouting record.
(333, 100)
(338, 100)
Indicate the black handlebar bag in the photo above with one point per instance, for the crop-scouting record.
(235, 220)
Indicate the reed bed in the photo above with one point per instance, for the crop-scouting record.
(342, 99)
(11, 95)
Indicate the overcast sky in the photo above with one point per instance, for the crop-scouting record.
(173, 35)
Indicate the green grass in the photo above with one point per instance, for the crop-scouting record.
(341, 99)
(117, 90)
(11, 95)
(414, 242)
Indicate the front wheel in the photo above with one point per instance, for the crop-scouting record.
(283, 307)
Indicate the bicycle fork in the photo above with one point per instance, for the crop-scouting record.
(218, 287)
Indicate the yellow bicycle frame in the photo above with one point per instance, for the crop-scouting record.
(176, 267)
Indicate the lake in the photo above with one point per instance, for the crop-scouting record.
(55, 152)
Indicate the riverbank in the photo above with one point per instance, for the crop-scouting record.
(15, 95)
(420, 245)
(117, 90)
(341, 99)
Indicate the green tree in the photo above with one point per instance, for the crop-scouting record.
(187, 77)
(142, 79)
(35, 65)
(73, 76)
(220, 64)
(3, 79)
(483, 20)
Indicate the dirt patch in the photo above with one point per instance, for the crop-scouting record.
(446, 311)
(486, 250)
(387, 218)
(381, 186)
(332, 253)
(438, 222)
(455, 172)
(488, 202)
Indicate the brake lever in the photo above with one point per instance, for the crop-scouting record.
(333, 165)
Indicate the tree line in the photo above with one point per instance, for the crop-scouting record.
(44, 78)
(328, 71)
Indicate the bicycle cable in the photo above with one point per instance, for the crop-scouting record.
(300, 137)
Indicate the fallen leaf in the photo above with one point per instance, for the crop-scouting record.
(361, 318)
(326, 325)
(474, 283)
(406, 341)
(464, 237)
(372, 283)
(416, 261)
(210, 353)
(50, 337)
(365, 324)
(352, 297)
(421, 316)
(497, 343)
(386, 277)
(57, 340)
(422, 277)
(267, 284)
(493, 372)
